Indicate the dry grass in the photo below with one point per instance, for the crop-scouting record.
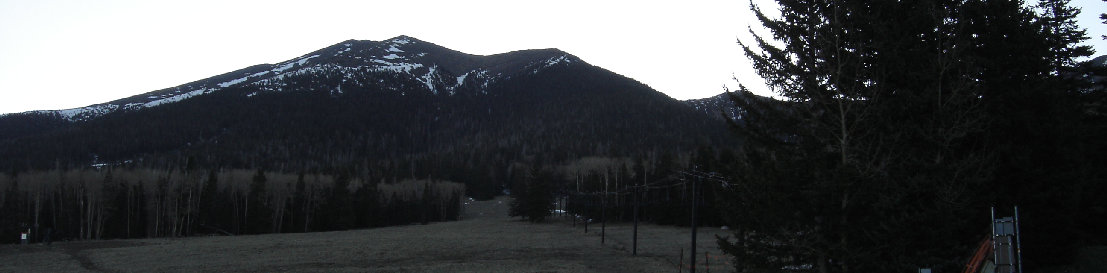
(485, 241)
(665, 243)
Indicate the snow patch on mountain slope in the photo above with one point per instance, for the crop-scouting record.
(551, 62)
(175, 98)
(395, 67)
(233, 82)
(272, 79)
(461, 79)
(303, 61)
(556, 60)
(290, 65)
(343, 51)
(284, 67)
(90, 111)
(430, 77)
(403, 40)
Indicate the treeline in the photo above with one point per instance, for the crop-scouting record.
(658, 187)
(142, 203)
(385, 122)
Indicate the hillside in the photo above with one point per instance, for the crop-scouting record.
(395, 108)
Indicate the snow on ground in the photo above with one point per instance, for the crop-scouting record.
(461, 79)
(300, 62)
(94, 110)
(402, 41)
(395, 67)
(284, 67)
(549, 63)
(232, 82)
(305, 60)
(177, 98)
(388, 63)
(428, 79)
(556, 60)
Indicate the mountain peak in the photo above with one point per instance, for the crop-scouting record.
(437, 69)
(1100, 61)
(402, 39)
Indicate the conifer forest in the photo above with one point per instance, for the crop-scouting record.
(894, 132)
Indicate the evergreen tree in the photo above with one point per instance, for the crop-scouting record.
(258, 213)
(1063, 35)
(1103, 16)
(13, 212)
(1031, 109)
(534, 201)
(211, 204)
(898, 122)
(299, 210)
(519, 201)
(141, 216)
(337, 211)
(425, 205)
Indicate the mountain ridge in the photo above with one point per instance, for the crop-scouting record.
(437, 67)
(369, 103)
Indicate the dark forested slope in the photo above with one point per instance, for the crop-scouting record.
(400, 107)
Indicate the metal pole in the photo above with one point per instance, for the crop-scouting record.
(603, 218)
(995, 256)
(692, 262)
(1018, 238)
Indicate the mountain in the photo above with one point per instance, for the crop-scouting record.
(439, 69)
(718, 106)
(400, 107)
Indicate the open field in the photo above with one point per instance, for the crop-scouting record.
(486, 241)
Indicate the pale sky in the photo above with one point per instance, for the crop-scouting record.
(59, 54)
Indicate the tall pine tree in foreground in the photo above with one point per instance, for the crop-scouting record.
(895, 121)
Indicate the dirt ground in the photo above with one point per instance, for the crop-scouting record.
(485, 241)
